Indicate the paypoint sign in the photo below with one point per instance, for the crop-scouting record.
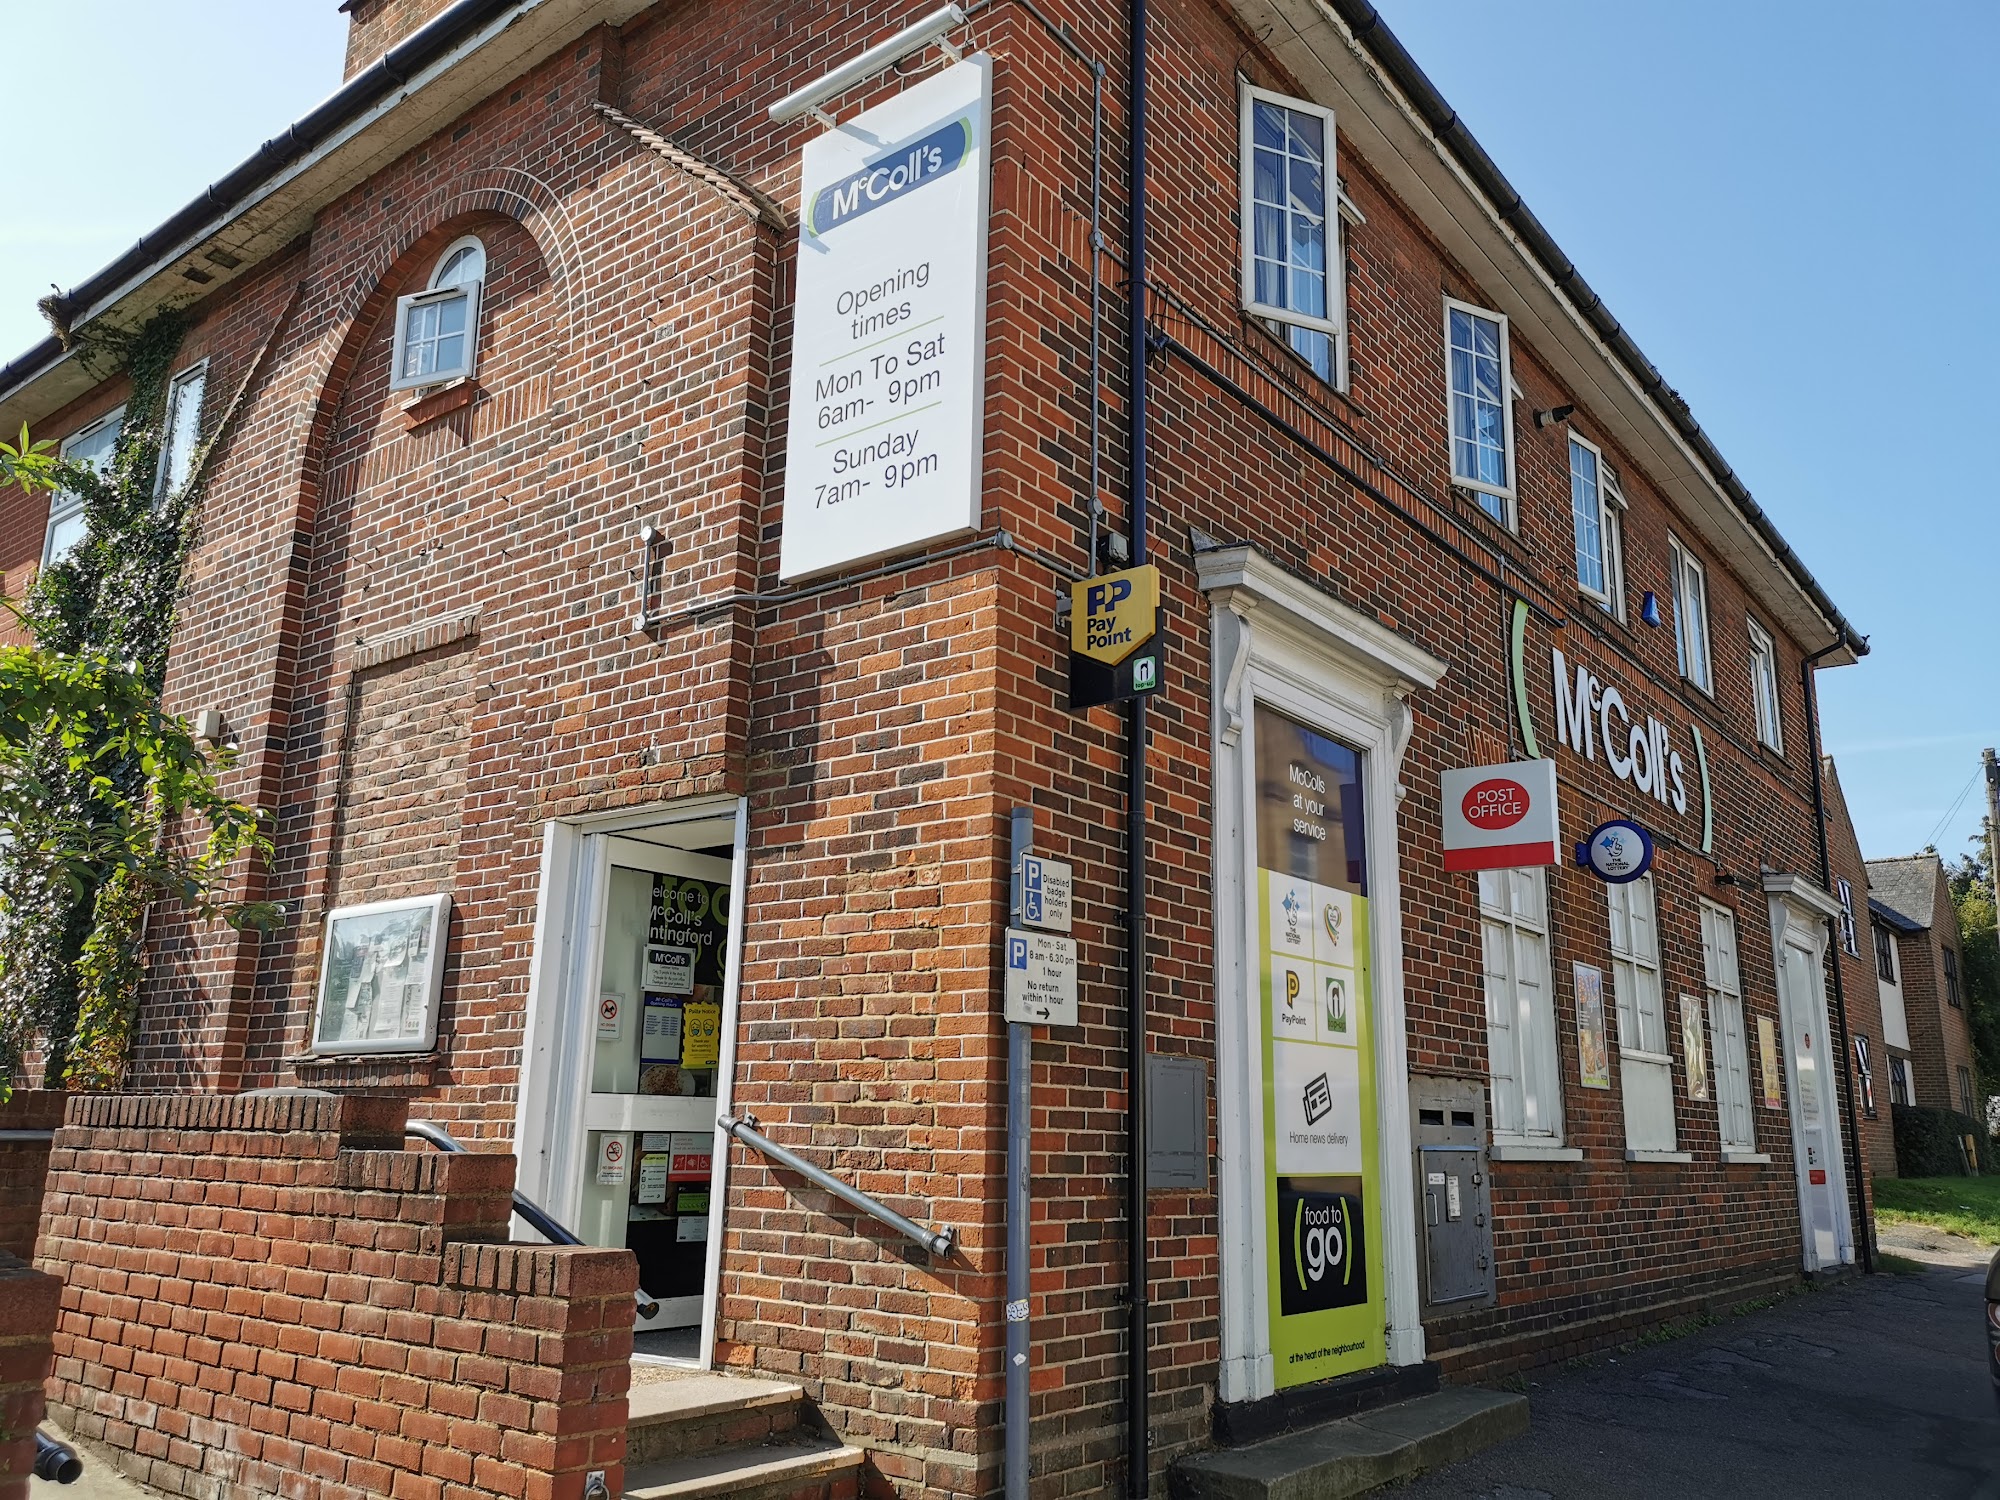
(1114, 636)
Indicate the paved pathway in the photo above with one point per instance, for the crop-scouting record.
(1872, 1387)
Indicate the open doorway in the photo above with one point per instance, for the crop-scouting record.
(631, 1022)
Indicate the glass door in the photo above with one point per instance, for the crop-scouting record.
(649, 1115)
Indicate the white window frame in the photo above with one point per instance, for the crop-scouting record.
(1763, 682)
(1338, 210)
(1505, 494)
(1864, 1074)
(1850, 938)
(63, 505)
(1613, 494)
(1728, 1043)
(196, 376)
(1885, 947)
(1689, 569)
(1604, 595)
(1524, 1065)
(470, 291)
(1645, 1064)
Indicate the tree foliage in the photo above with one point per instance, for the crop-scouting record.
(1971, 882)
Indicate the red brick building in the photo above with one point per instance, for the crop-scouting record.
(495, 352)
(1917, 956)
(1876, 1043)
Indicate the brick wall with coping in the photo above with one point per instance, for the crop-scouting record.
(28, 1306)
(269, 1295)
(24, 1166)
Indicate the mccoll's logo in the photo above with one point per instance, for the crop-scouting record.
(904, 170)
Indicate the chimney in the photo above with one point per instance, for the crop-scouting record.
(374, 26)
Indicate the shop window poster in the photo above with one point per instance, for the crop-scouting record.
(1593, 1046)
(382, 975)
(1322, 1186)
(1691, 1044)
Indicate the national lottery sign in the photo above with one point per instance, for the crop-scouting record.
(889, 327)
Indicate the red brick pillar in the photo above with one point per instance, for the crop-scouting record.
(28, 1302)
(24, 1167)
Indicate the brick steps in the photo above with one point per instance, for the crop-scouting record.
(699, 1435)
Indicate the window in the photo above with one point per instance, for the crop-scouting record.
(1291, 234)
(1482, 418)
(1951, 978)
(1864, 1075)
(1885, 953)
(93, 446)
(1614, 540)
(1849, 939)
(1764, 683)
(1586, 506)
(1899, 1080)
(1520, 1010)
(437, 330)
(1642, 1016)
(1725, 1028)
(183, 430)
(1690, 615)
(1965, 1091)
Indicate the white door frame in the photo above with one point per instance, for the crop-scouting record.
(1799, 913)
(1281, 641)
(562, 971)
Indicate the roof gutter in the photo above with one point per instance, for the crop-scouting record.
(353, 99)
(1373, 32)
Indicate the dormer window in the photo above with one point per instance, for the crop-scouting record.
(437, 329)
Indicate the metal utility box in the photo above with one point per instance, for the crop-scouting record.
(1454, 1191)
(1176, 1124)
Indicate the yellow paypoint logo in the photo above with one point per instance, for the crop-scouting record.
(1112, 615)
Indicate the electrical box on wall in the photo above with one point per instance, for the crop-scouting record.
(1454, 1191)
(1176, 1124)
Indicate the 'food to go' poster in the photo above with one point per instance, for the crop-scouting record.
(1322, 1190)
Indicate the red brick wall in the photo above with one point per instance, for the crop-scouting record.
(24, 1166)
(374, 26)
(28, 1300)
(1863, 991)
(265, 1294)
(1940, 1033)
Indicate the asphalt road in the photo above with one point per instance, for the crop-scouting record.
(1872, 1387)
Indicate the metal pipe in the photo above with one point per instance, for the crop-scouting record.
(27, 1135)
(1138, 1459)
(937, 1241)
(537, 1217)
(1858, 1210)
(1020, 1133)
(56, 1461)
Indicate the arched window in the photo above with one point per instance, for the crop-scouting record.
(437, 329)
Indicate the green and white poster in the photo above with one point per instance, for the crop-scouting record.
(1322, 1190)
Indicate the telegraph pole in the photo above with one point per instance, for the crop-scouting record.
(1992, 827)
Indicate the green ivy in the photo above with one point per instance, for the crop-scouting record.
(72, 929)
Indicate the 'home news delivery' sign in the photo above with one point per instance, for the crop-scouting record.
(888, 333)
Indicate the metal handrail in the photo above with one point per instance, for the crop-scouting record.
(26, 1135)
(537, 1216)
(937, 1241)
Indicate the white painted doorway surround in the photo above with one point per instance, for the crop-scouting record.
(553, 1113)
(1811, 1067)
(1278, 640)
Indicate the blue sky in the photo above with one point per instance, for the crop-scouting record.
(1791, 205)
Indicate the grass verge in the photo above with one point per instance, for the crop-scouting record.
(1962, 1205)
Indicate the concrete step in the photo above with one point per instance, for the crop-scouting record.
(801, 1468)
(1355, 1454)
(685, 1414)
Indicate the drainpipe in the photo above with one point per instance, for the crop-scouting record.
(1864, 1239)
(1138, 1461)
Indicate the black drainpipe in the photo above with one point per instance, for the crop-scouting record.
(1863, 1239)
(1138, 1461)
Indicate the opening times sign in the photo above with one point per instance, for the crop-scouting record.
(888, 331)
(1322, 1174)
